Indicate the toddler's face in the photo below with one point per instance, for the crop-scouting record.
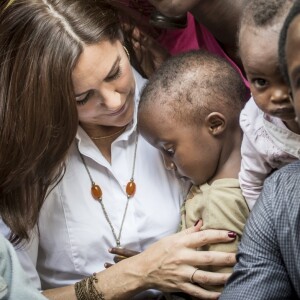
(189, 150)
(258, 50)
(293, 61)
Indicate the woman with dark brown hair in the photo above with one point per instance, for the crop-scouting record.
(68, 136)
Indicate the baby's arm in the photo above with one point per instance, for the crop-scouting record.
(220, 17)
(174, 7)
(254, 170)
(256, 150)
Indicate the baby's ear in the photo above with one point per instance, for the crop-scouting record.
(215, 123)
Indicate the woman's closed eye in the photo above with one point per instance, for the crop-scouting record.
(81, 100)
(115, 75)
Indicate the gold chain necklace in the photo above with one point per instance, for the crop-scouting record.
(107, 136)
(97, 194)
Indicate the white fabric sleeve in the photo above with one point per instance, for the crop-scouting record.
(254, 170)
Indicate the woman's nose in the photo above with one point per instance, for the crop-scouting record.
(111, 99)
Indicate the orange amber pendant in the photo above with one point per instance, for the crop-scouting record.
(130, 188)
(96, 192)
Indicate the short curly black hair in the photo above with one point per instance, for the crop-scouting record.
(294, 12)
(262, 13)
(193, 84)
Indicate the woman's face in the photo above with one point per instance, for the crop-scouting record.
(293, 61)
(104, 85)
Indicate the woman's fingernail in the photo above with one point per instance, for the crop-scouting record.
(232, 234)
(196, 223)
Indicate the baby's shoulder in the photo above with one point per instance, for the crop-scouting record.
(251, 117)
(252, 123)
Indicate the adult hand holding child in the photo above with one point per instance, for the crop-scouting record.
(168, 261)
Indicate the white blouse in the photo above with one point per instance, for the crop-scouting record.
(74, 234)
(267, 145)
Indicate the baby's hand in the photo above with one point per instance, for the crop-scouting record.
(121, 253)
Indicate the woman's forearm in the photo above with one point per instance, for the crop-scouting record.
(167, 265)
(173, 7)
(121, 281)
(63, 293)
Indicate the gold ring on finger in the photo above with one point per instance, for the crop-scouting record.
(192, 277)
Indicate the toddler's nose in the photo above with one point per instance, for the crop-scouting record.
(280, 96)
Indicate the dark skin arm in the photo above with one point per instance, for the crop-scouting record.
(220, 17)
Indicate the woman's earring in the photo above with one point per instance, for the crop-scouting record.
(127, 52)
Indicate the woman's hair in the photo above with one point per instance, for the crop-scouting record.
(40, 43)
(294, 12)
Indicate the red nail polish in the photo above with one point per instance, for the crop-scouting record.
(232, 234)
(196, 223)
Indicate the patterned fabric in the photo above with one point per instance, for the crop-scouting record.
(267, 145)
(220, 205)
(268, 259)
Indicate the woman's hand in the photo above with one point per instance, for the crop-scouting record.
(169, 263)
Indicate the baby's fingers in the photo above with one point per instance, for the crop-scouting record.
(123, 252)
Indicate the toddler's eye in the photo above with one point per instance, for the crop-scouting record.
(260, 83)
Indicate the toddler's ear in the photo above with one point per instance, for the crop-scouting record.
(215, 123)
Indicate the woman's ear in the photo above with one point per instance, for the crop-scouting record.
(215, 122)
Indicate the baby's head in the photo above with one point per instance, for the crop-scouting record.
(188, 110)
(258, 42)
